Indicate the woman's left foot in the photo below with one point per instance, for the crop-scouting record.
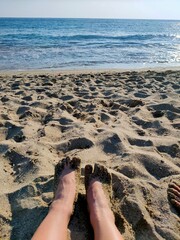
(66, 179)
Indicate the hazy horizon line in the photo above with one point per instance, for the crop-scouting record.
(165, 19)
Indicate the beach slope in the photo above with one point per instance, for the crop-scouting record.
(128, 121)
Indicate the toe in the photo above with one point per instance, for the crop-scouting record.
(63, 162)
(174, 185)
(174, 191)
(107, 175)
(176, 203)
(75, 163)
(67, 161)
(97, 170)
(88, 171)
(59, 166)
(172, 196)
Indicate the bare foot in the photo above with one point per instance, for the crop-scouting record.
(55, 224)
(98, 189)
(66, 179)
(174, 194)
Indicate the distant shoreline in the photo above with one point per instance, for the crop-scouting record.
(148, 19)
(91, 70)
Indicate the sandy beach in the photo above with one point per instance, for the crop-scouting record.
(126, 120)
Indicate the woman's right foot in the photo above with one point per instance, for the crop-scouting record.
(98, 185)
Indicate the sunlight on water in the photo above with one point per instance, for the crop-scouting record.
(88, 43)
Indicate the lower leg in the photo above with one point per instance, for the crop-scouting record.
(54, 226)
(101, 216)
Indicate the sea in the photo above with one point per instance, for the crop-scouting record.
(42, 43)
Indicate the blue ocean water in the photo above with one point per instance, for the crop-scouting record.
(88, 43)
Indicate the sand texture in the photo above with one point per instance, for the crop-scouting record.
(126, 121)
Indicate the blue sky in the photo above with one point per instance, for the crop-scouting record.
(148, 9)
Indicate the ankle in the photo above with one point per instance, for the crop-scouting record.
(101, 215)
(98, 204)
(96, 197)
(61, 207)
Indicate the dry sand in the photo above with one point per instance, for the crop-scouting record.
(127, 121)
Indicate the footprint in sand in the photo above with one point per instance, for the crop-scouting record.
(75, 143)
(140, 142)
(172, 150)
(29, 206)
(20, 164)
(111, 143)
(14, 132)
(157, 167)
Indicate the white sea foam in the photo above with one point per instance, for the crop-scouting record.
(63, 43)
